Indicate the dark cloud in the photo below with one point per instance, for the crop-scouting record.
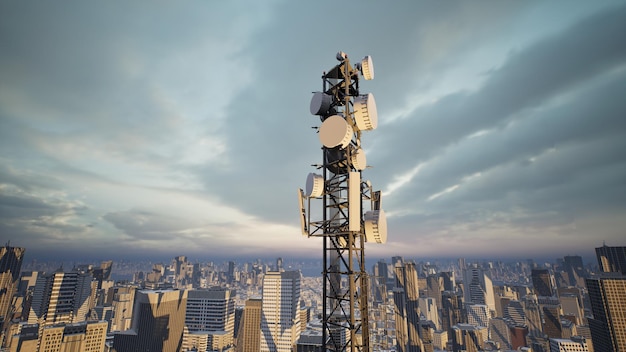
(142, 224)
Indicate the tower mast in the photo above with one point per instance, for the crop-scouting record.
(344, 226)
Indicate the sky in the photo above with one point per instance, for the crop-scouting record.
(163, 128)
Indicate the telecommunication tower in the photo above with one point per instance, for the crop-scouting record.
(351, 213)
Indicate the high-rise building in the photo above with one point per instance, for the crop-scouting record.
(542, 282)
(61, 297)
(280, 322)
(379, 282)
(612, 259)
(575, 344)
(447, 278)
(158, 322)
(123, 300)
(249, 335)
(211, 310)
(478, 314)
(532, 313)
(10, 266)
(478, 287)
(429, 311)
(552, 326)
(451, 310)
(608, 304)
(469, 338)
(83, 336)
(514, 311)
(500, 332)
(406, 300)
(571, 306)
(573, 266)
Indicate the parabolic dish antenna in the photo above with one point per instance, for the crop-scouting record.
(365, 114)
(320, 103)
(358, 159)
(367, 68)
(335, 131)
(375, 226)
(314, 185)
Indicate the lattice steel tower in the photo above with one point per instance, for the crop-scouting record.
(350, 210)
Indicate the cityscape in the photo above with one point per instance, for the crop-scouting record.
(150, 156)
(461, 305)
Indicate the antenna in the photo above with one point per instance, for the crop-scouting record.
(345, 225)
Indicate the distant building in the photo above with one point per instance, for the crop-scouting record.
(83, 336)
(478, 287)
(478, 315)
(608, 302)
(469, 338)
(280, 320)
(158, 322)
(575, 344)
(532, 313)
(211, 310)
(249, 335)
(542, 282)
(10, 266)
(407, 313)
(499, 332)
(612, 259)
(62, 297)
(515, 312)
(451, 310)
(429, 311)
(551, 312)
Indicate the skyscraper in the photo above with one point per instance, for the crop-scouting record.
(542, 282)
(158, 321)
(533, 316)
(10, 266)
(406, 300)
(211, 310)
(499, 331)
(608, 304)
(478, 315)
(280, 321)
(249, 336)
(61, 297)
(451, 310)
(612, 259)
(478, 287)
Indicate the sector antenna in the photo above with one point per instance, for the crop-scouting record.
(351, 213)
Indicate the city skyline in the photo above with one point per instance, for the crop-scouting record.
(132, 130)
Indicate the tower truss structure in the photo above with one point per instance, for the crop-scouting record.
(350, 209)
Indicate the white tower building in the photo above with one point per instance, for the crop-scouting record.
(280, 318)
(478, 287)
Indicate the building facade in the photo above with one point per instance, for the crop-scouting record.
(280, 319)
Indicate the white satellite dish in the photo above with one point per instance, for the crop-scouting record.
(335, 131)
(365, 114)
(320, 103)
(358, 159)
(367, 68)
(375, 226)
(314, 185)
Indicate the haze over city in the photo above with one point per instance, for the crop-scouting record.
(163, 129)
